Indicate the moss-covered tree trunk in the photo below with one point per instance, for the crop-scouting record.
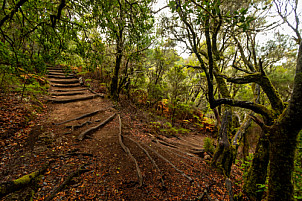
(114, 81)
(282, 151)
(118, 60)
(245, 146)
(224, 155)
(283, 140)
(258, 170)
(31, 179)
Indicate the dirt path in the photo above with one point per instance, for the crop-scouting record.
(86, 144)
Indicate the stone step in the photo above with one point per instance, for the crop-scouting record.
(68, 81)
(67, 90)
(65, 85)
(67, 93)
(56, 100)
(55, 70)
(61, 76)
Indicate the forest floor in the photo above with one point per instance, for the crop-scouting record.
(93, 149)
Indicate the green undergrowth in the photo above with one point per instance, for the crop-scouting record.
(244, 165)
(26, 84)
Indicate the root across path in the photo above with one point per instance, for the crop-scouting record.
(99, 152)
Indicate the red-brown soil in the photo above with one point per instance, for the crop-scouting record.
(110, 173)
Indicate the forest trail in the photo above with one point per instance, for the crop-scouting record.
(98, 151)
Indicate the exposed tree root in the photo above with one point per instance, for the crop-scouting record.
(174, 146)
(92, 91)
(205, 193)
(22, 182)
(73, 99)
(166, 144)
(83, 116)
(177, 150)
(95, 92)
(228, 185)
(189, 159)
(55, 70)
(190, 143)
(50, 71)
(170, 163)
(74, 127)
(179, 144)
(68, 81)
(67, 94)
(79, 154)
(187, 164)
(69, 90)
(76, 173)
(60, 76)
(126, 149)
(66, 86)
(151, 159)
(93, 129)
(51, 67)
(200, 153)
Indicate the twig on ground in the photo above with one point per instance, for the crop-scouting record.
(74, 127)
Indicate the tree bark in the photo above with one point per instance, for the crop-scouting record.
(13, 11)
(224, 155)
(282, 152)
(258, 170)
(283, 140)
(118, 61)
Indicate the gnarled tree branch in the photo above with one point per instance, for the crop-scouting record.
(11, 14)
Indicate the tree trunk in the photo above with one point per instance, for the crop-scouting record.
(258, 170)
(118, 61)
(224, 155)
(114, 81)
(245, 146)
(283, 140)
(282, 152)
